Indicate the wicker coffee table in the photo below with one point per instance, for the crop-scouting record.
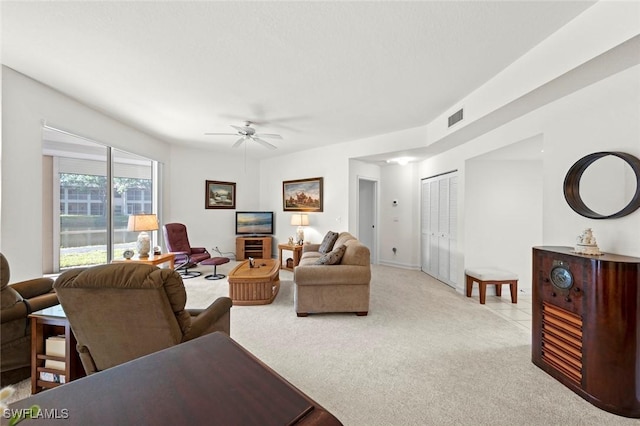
(254, 286)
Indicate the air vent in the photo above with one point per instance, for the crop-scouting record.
(455, 118)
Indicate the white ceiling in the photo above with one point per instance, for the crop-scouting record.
(315, 72)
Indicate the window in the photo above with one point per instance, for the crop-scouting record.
(78, 200)
(94, 205)
(79, 195)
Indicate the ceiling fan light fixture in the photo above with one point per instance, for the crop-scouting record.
(247, 132)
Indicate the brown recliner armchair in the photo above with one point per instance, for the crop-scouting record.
(177, 241)
(122, 311)
(17, 301)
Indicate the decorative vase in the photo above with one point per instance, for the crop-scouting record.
(143, 244)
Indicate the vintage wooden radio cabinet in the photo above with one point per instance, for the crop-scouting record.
(586, 325)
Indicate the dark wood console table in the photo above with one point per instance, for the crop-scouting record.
(586, 325)
(209, 380)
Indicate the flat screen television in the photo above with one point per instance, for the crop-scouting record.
(254, 223)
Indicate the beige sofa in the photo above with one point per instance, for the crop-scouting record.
(342, 287)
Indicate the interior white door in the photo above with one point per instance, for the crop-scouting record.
(453, 227)
(443, 229)
(367, 215)
(434, 249)
(439, 227)
(425, 237)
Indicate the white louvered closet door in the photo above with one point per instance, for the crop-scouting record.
(439, 226)
(424, 226)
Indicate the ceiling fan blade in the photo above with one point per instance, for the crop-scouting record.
(221, 134)
(265, 143)
(239, 142)
(267, 135)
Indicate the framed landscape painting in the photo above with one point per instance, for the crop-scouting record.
(302, 195)
(220, 195)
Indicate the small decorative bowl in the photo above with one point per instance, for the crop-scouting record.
(127, 254)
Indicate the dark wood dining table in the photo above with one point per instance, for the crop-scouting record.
(211, 380)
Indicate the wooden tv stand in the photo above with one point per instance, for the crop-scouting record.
(586, 327)
(256, 247)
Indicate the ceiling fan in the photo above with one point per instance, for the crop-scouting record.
(246, 133)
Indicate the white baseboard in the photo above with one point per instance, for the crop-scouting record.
(398, 265)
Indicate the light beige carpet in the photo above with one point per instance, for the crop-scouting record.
(425, 355)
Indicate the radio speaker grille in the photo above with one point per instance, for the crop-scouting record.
(562, 341)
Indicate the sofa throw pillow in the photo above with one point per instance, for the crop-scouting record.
(333, 257)
(327, 243)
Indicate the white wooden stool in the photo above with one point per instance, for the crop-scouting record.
(494, 276)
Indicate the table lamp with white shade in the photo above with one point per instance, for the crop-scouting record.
(300, 220)
(143, 223)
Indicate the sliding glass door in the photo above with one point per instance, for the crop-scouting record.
(132, 194)
(82, 219)
(94, 190)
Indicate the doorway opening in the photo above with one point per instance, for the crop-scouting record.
(367, 215)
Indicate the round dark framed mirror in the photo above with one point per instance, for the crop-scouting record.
(572, 185)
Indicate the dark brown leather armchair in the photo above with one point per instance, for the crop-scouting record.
(123, 311)
(177, 241)
(17, 301)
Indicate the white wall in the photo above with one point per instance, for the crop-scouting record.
(503, 219)
(187, 172)
(578, 90)
(26, 105)
(531, 97)
(327, 163)
(600, 117)
(400, 225)
(340, 172)
(602, 27)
